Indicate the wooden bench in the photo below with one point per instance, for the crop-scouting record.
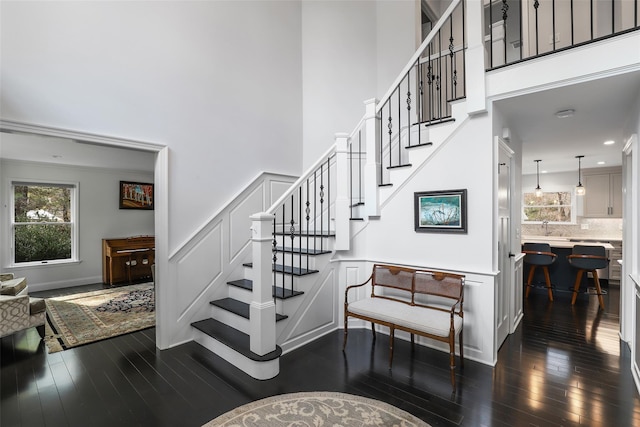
(422, 302)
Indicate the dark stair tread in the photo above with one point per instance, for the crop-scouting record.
(356, 219)
(386, 185)
(279, 268)
(276, 291)
(423, 144)
(304, 251)
(406, 165)
(233, 338)
(306, 234)
(239, 308)
(357, 204)
(437, 121)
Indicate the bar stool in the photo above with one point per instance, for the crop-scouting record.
(539, 255)
(588, 258)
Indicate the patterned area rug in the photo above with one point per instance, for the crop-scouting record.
(77, 319)
(316, 409)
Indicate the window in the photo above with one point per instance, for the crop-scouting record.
(44, 222)
(552, 207)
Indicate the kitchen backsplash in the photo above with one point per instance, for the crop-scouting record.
(596, 228)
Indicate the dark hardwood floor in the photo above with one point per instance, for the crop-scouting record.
(563, 367)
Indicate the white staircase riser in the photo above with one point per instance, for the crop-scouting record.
(259, 370)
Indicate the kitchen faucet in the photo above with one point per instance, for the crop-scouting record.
(545, 224)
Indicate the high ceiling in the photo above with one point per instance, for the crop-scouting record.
(602, 108)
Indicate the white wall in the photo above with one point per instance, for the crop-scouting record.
(338, 69)
(219, 82)
(351, 51)
(99, 218)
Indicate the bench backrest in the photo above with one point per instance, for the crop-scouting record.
(416, 282)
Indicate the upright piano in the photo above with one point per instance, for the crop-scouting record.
(128, 259)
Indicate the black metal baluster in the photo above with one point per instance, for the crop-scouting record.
(572, 30)
(591, 14)
(505, 8)
(429, 83)
(520, 20)
(536, 4)
(390, 126)
(451, 55)
(328, 196)
(307, 212)
(315, 210)
(490, 35)
(399, 125)
(321, 206)
(419, 113)
(613, 17)
(464, 62)
(553, 23)
(292, 231)
(351, 179)
(300, 227)
(439, 79)
(284, 243)
(274, 250)
(409, 108)
(359, 167)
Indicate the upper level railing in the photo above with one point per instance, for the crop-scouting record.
(422, 94)
(518, 30)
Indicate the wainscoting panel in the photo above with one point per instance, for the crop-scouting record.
(202, 264)
(240, 223)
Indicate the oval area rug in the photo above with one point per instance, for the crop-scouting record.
(318, 409)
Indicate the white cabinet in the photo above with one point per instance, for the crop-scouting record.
(603, 198)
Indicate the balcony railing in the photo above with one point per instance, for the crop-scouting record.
(518, 30)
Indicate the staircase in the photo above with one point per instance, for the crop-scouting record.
(296, 238)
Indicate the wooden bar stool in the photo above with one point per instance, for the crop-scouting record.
(588, 258)
(539, 255)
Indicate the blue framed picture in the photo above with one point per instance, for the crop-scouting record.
(441, 211)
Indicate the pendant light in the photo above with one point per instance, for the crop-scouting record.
(580, 190)
(538, 189)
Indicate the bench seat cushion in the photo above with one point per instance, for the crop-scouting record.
(433, 322)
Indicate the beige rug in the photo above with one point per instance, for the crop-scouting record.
(78, 319)
(326, 409)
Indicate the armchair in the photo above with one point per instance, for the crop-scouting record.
(18, 311)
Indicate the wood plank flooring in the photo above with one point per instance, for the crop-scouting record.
(563, 367)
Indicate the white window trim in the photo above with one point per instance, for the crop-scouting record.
(75, 215)
(574, 206)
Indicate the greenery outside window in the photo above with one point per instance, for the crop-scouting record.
(44, 223)
(553, 206)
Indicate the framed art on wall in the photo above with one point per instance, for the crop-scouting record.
(441, 211)
(136, 195)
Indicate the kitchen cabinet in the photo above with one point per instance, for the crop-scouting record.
(603, 198)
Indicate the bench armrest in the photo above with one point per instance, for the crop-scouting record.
(346, 291)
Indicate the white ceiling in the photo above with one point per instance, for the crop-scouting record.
(602, 107)
(48, 149)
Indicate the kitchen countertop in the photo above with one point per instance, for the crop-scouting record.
(566, 242)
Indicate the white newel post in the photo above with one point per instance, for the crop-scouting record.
(372, 165)
(262, 316)
(341, 219)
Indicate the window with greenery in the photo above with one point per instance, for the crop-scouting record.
(551, 206)
(43, 222)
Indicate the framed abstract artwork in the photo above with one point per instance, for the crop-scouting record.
(441, 211)
(136, 195)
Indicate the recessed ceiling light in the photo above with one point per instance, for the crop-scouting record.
(543, 171)
(563, 114)
(601, 162)
(610, 142)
